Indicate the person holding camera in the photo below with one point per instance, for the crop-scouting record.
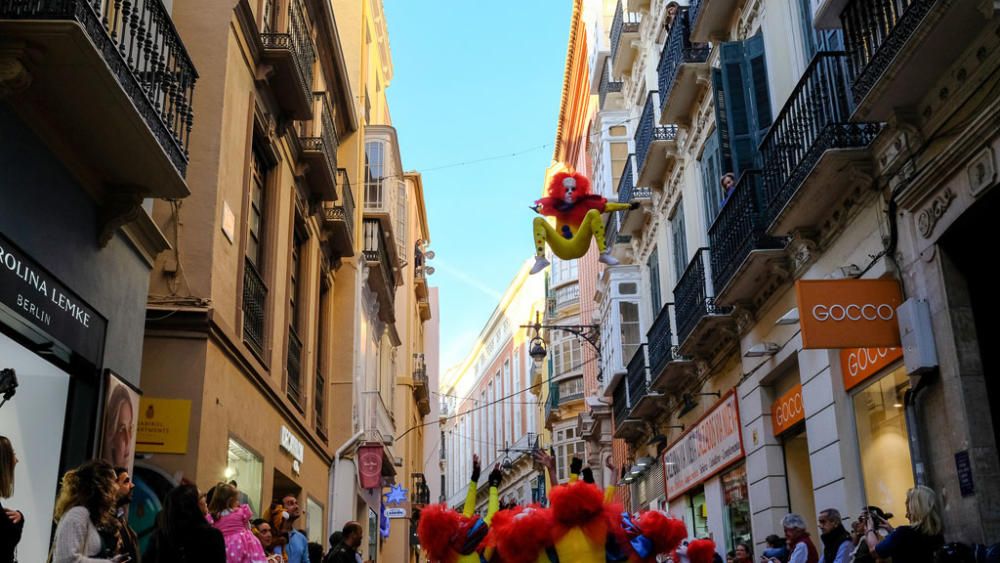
(861, 553)
(914, 543)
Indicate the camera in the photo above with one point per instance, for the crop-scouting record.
(8, 384)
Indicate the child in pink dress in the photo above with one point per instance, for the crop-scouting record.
(233, 519)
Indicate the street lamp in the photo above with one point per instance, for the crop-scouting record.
(589, 334)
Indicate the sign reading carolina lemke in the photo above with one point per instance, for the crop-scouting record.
(711, 445)
(36, 296)
(848, 313)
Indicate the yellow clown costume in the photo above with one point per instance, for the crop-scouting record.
(577, 214)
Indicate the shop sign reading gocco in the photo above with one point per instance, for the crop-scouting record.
(787, 411)
(370, 466)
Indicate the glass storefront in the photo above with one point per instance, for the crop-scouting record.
(247, 469)
(314, 521)
(737, 507)
(697, 512)
(36, 410)
(883, 440)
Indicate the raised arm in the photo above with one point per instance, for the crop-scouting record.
(470, 497)
(615, 206)
(494, 505)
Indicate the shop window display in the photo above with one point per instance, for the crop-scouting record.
(737, 507)
(246, 468)
(885, 451)
(314, 521)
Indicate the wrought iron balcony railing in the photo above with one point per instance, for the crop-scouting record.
(298, 41)
(607, 85)
(254, 305)
(678, 50)
(620, 405)
(623, 22)
(874, 33)
(612, 230)
(376, 249)
(552, 404)
(637, 378)
(142, 48)
(293, 367)
(693, 296)
(694, 10)
(740, 228)
(815, 118)
(648, 131)
(659, 341)
(346, 198)
(627, 190)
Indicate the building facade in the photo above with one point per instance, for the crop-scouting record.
(771, 144)
(82, 168)
(486, 407)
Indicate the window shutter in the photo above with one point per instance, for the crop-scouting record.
(756, 74)
(710, 177)
(739, 117)
(721, 123)
(680, 241)
(654, 284)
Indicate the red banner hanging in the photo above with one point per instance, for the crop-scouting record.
(370, 466)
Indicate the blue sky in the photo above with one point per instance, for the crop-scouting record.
(473, 80)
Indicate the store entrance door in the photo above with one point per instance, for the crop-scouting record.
(798, 475)
(963, 247)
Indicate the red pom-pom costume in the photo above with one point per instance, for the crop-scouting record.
(521, 535)
(701, 551)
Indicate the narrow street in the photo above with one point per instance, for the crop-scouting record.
(613, 281)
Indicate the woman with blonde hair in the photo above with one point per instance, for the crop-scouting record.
(11, 521)
(917, 542)
(85, 512)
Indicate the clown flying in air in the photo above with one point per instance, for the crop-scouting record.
(578, 219)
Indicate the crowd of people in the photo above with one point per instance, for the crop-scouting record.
(193, 527)
(218, 527)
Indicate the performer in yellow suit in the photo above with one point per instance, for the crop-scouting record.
(578, 220)
(450, 537)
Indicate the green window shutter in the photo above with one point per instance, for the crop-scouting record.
(679, 238)
(653, 264)
(760, 96)
(739, 117)
(721, 123)
(711, 175)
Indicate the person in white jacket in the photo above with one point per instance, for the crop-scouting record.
(85, 512)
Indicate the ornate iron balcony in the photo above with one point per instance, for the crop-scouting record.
(637, 378)
(254, 305)
(740, 228)
(874, 33)
(376, 249)
(319, 141)
(142, 48)
(678, 50)
(623, 22)
(293, 367)
(693, 298)
(816, 118)
(659, 340)
(607, 86)
(294, 46)
(648, 131)
(620, 403)
(694, 9)
(627, 191)
(612, 229)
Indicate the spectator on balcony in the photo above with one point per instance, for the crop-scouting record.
(728, 184)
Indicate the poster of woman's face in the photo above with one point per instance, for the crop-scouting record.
(120, 423)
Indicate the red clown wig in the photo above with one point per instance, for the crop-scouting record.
(520, 534)
(438, 525)
(557, 189)
(701, 551)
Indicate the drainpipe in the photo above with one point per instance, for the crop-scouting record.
(333, 481)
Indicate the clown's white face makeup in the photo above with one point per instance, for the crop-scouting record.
(570, 185)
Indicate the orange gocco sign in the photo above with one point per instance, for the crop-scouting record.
(858, 364)
(787, 410)
(848, 313)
